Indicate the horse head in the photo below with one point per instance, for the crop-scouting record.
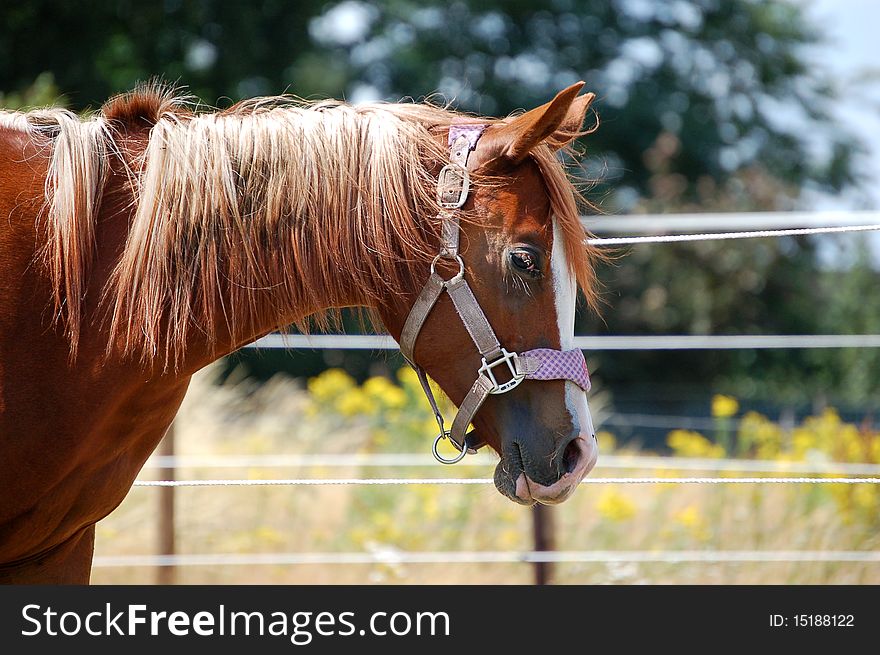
(519, 249)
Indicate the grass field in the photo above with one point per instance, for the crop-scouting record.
(336, 416)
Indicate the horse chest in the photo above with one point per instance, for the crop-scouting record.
(78, 443)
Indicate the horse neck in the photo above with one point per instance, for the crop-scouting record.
(304, 290)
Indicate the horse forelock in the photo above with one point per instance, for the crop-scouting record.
(274, 205)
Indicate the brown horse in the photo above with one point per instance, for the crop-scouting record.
(141, 244)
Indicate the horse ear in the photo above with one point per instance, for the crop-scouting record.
(558, 123)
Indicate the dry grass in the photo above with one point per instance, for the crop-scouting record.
(239, 418)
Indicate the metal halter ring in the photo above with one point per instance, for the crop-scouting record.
(457, 276)
(447, 434)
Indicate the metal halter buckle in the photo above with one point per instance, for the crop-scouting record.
(453, 185)
(507, 358)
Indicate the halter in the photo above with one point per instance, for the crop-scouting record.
(453, 186)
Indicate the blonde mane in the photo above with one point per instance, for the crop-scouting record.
(251, 210)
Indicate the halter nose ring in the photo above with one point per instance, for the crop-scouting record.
(447, 434)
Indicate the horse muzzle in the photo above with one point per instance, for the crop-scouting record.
(516, 480)
(583, 459)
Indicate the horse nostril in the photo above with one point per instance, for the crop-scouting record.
(571, 456)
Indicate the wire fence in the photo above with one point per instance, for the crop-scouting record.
(745, 226)
(594, 343)
(392, 556)
(646, 224)
(726, 236)
(318, 482)
(416, 460)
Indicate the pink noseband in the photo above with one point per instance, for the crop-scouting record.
(551, 364)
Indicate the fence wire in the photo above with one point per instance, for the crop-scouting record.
(392, 556)
(315, 482)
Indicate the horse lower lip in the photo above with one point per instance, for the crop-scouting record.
(522, 489)
(529, 491)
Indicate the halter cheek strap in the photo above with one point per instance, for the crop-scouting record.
(541, 364)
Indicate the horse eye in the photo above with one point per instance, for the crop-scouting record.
(526, 261)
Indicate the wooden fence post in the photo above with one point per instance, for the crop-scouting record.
(545, 540)
(166, 575)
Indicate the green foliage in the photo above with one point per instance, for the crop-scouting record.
(43, 92)
(729, 79)
(704, 105)
(216, 48)
(849, 302)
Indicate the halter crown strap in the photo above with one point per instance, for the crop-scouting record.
(453, 183)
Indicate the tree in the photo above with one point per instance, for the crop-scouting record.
(729, 79)
(704, 104)
(217, 49)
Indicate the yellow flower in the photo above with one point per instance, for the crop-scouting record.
(410, 382)
(803, 440)
(686, 443)
(266, 534)
(607, 442)
(429, 426)
(386, 528)
(385, 392)
(690, 519)
(380, 436)
(429, 502)
(510, 539)
(408, 378)
(359, 536)
(330, 384)
(614, 506)
(874, 447)
(866, 498)
(353, 403)
(724, 406)
(758, 432)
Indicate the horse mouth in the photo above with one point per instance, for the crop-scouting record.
(514, 482)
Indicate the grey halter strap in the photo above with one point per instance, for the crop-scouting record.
(453, 185)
